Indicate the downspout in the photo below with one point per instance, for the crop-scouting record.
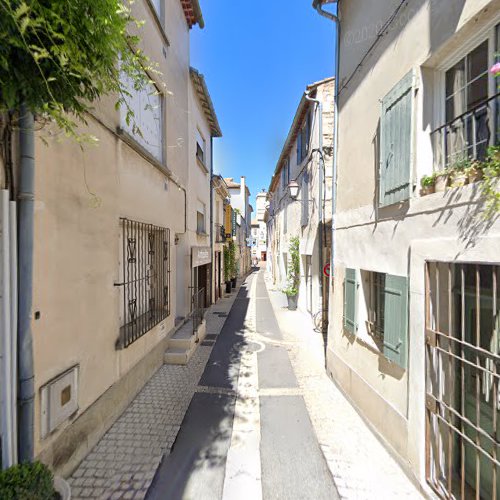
(317, 4)
(212, 275)
(26, 200)
(319, 104)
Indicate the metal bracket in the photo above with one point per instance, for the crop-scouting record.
(431, 403)
(430, 337)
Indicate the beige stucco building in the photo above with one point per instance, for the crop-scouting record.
(302, 164)
(115, 225)
(414, 274)
(240, 196)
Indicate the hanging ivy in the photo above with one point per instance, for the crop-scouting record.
(57, 57)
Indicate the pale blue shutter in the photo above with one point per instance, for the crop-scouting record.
(396, 319)
(299, 148)
(395, 143)
(351, 285)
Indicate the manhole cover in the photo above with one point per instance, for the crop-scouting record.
(253, 347)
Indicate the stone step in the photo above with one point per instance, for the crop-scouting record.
(183, 344)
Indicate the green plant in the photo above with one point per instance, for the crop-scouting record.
(227, 264)
(293, 276)
(232, 259)
(490, 184)
(428, 180)
(58, 57)
(28, 481)
(460, 165)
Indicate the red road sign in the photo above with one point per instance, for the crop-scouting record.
(326, 270)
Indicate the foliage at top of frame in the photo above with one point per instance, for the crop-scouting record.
(58, 57)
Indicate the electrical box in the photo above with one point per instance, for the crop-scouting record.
(59, 400)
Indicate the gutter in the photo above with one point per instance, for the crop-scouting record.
(26, 201)
(319, 105)
(318, 6)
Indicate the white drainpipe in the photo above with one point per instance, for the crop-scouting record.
(8, 329)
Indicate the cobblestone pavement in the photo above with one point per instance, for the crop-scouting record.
(362, 468)
(123, 463)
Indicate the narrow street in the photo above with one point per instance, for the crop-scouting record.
(251, 422)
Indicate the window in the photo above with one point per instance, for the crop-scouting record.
(285, 174)
(285, 219)
(388, 314)
(303, 139)
(395, 143)
(305, 199)
(157, 4)
(200, 218)
(145, 281)
(200, 147)
(146, 125)
(466, 87)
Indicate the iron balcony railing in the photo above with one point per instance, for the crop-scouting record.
(198, 307)
(467, 136)
(220, 233)
(145, 285)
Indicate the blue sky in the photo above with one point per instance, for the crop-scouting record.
(257, 57)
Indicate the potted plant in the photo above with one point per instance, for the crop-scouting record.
(428, 184)
(441, 181)
(293, 278)
(32, 481)
(459, 175)
(227, 269)
(474, 171)
(232, 263)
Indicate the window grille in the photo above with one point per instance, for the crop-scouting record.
(145, 286)
(462, 379)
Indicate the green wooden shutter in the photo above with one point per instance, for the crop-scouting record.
(351, 285)
(396, 319)
(395, 143)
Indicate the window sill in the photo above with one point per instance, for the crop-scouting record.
(202, 165)
(202, 233)
(141, 150)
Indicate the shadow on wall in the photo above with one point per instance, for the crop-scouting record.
(195, 466)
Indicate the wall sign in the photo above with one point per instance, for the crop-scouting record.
(201, 256)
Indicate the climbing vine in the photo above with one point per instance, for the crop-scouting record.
(58, 57)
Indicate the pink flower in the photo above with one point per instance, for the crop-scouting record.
(495, 69)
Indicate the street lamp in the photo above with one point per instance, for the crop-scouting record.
(293, 189)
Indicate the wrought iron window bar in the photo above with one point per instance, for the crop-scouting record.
(463, 380)
(468, 135)
(145, 294)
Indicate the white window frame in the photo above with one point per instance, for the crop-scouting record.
(485, 33)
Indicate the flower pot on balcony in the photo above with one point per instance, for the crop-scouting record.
(292, 302)
(441, 182)
(474, 175)
(62, 488)
(459, 179)
(228, 287)
(425, 190)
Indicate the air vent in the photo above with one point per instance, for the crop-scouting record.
(59, 400)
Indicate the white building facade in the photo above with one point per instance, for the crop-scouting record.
(306, 161)
(413, 331)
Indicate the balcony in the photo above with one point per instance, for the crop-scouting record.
(468, 136)
(220, 233)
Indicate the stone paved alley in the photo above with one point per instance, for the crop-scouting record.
(252, 416)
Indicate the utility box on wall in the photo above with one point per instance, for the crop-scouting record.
(59, 400)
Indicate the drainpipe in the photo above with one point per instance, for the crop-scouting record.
(319, 105)
(26, 200)
(318, 5)
(211, 218)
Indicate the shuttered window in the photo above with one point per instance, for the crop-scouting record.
(351, 285)
(395, 334)
(395, 143)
